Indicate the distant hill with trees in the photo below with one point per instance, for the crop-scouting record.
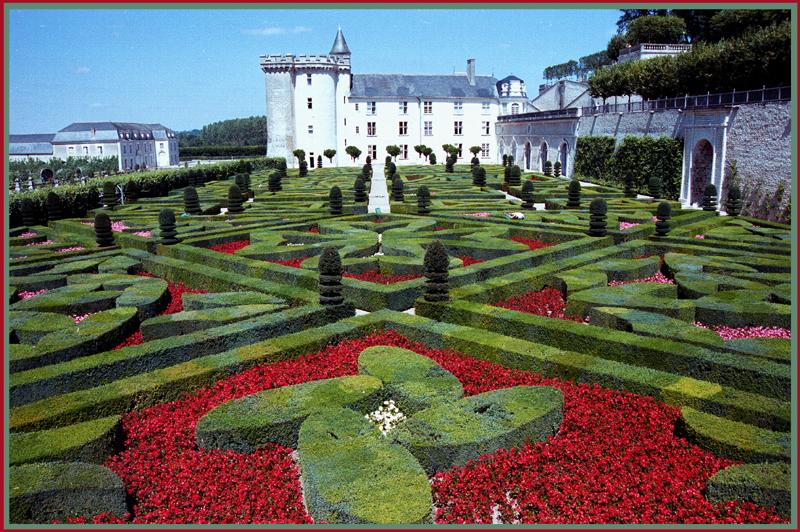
(251, 131)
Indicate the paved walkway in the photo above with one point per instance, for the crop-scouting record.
(378, 193)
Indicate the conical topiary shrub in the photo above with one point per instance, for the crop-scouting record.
(191, 203)
(366, 172)
(505, 160)
(432, 158)
(479, 176)
(274, 183)
(102, 230)
(436, 264)
(330, 278)
(654, 187)
(527, 195)
(281, 168)
(557, 169)
(449, 164)
(507, 174)
(423, 200)
(710, 198)
(597, 217)
(663, 214)
(548, 168)
(132, 192)
(303, 172)
(474, 161)
(53, 206)
(166, 227)
(110, 195)
(335, 200)
(397, 189)
(733, 205)
(319, 161)
(514, 176)
(29, 217)
(629, 191)
(235, 200)
(390, 169)
(574, 194)
(359, 190)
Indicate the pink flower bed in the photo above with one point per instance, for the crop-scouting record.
(700, 237)
(77, 318)
(733, 333)
(27, 294)
(145, 234)
(627, 225)
(478, 214)
(42, 243)
(29, 234)
(67, 250)
(659, 278)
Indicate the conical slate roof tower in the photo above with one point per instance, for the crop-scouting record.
(340, 45)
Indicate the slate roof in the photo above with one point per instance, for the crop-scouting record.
(106, 131)
(339, 44)
(433, 86)
(34, 144)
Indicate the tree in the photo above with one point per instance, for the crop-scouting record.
(423, 200)
(514, 176)
(235, 200)
(574, 194)
(597, 217)
(436, 264)
(330, 154)
(654, 187)
(505, 160)
(733, 206)
(274, 184)
(479, 176)
(299, 154)
(729, 23)
(29, 213)
(449, 163)
(475, 150)
(393, 150)
(656, 29)
(663, 213)
(710, 198)
(251, 131)
(527, 194)
(110, 195)
(591, 63)
(397, 189)
(330, 278)
(353, 152)
(166, 228)
(428, 152)
(102, 230)
(191, 203)
(319, 161)
(548, 168)
(303, 169)
(359, 190)
(53, 206)
(629, 15)
(335, 200)
(617, 43)
(432, 157)
(557, 169)
(132, 191)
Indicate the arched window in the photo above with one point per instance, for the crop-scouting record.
(514, 108)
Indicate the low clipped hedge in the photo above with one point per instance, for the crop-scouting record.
(762, 484)
(91, 441)
(190, 152)
(734, 440)
(44, 492)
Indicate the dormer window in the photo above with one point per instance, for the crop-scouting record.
(514, 108)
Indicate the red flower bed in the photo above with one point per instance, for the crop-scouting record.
(374, 276)
(231, 247)
(546, 302)
(294, 263)
(614, 460)
(437, 228)
(176, 291)
(531, 243)
(469, 261)
(314, 230)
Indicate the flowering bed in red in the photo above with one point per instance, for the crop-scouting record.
(531, 243)
(374, 276)
(294, 263)
(231, 247)
(545, 302)
(615, 459)
(314, 230)
(176, 291)
(469, 261)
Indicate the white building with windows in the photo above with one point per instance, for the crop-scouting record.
(136, 146)
(315, 102)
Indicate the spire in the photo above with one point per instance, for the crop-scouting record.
(340, 45)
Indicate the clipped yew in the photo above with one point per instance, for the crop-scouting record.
(514, 176)
(131, 190)
(359, 190)
(597, 217)
(191, 203)
(110, 195)
(235, 200)
(397, 189)
(527, 195)
(303, 172)
(710, 198)
(663, 214)
(574, 194)
(436, 263)
(53, 206)
(733, 205)
(335, 200)
(548, 168)
(557, 169)
(29, 217)
(654, 187)
(166, 227)
(423, 200)
(479, 176)
(330, 278)
(274, 182)
(102, 230)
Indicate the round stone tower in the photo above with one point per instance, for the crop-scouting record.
(306, 97)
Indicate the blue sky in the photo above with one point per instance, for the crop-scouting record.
(186, 68)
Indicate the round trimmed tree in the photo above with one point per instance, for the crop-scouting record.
(110, 199)
(548, 168)
(132, 191)
(597, 217)
(733, 204)
(166, 227)
(191, 203)
(574, 194)
(359, 190)
(710, 198)
(102, 230)
(436, 264)
(335, 200)
(527, 195)
(397, 189)
(663, 214)
(274, 183)
(330, 278)
(654, 187)
(53, 206)
(423, 200)
(303, 172)
(557, 169)
(29, 217)
(432, 157)
(514, 176)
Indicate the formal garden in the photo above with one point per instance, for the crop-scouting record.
(237, 343)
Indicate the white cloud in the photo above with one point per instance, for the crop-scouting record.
(276, 30)
(82, 70)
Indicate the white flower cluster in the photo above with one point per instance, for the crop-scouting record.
(387, 417)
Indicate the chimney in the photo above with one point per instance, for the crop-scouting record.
(471, 71)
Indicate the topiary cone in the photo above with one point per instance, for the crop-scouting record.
(654, 187)
(733, 205)
(110, 195)
(397, 189)
(335, 200)
(330, 278)
(235, 200)
(274, 183)
(479, 176)
(574, 194)
(166, 227)
(663, 214)
(527, 195)
(359, 190)
(597, 217)
(514, 176)
(132, 191)
(423, 200)
(710, 198)
(436, 264)
(191, 203)
(53, 206)
(102, 230)
(557, 169)
(548, 168)
(628, 191)
(28, 212)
